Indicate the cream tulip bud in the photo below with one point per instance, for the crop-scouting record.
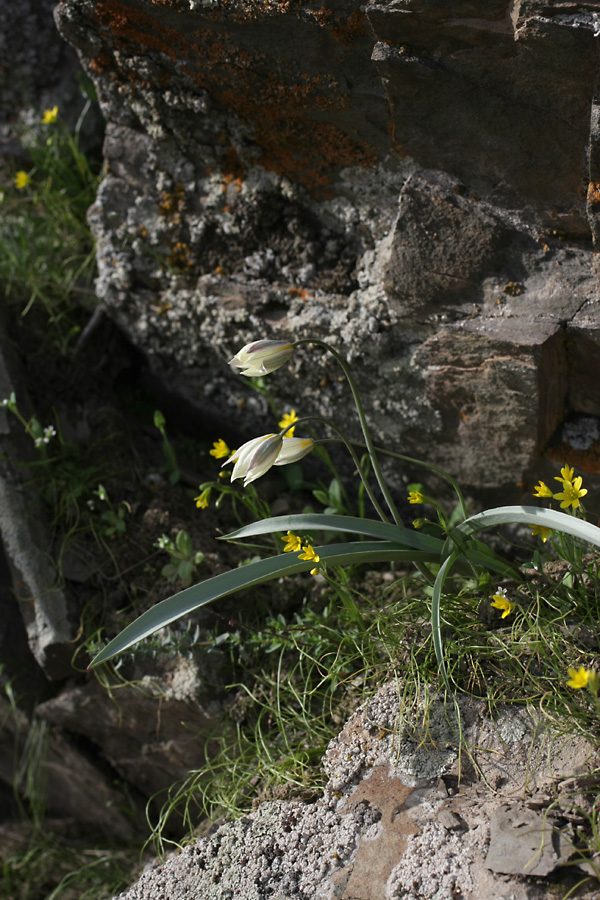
(262, 357)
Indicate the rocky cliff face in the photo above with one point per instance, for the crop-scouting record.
(416, 182)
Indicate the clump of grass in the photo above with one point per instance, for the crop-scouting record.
(47, 254)
(302, 675)
(41, 865)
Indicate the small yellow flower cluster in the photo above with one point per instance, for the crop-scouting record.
(584, 678)
(22, 179)
(501, 601)
(293, 544)
(50, 116)
(578, 678)
(202, 500)
(289, 419)
(571, 492)
(220, 449)
(416, 497)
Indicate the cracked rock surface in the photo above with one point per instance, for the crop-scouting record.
(404, 816)
(416, 183)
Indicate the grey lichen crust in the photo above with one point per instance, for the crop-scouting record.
(305, 851)
(285, 846)
(406, 814)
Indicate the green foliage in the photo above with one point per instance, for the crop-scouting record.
(43, 866)
(184, 559)
(47, 255)
(171, 464)
(113, 519)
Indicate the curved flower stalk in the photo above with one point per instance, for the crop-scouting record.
(264, 357)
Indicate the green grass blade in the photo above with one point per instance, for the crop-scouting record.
(353, 525)
(256, 573)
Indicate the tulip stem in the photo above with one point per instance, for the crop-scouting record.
(426, 465)
(353, 454)
(363, 424)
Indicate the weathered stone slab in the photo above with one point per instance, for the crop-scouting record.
(43, 603)
(45, 769)
(383, 832)
(375, 177)
(524, 842)
(151, 735)
(471, 85)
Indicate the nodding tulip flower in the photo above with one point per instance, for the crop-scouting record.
(255, 457)
(293, 449)
(262, 357)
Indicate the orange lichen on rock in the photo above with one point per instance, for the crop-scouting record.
(303, 293)
(290, 109)
(593, 192)
(347, 31)
(137, 27)
(171, 204)
(181, 257)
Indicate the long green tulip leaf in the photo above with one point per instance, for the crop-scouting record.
(322, 522)
(256, 573)
(532, 515)
(436, 627)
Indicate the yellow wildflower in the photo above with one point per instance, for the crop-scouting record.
(22, 179)
(203, 498)
(571, 493)
(542, 531)
(220, 449)
(50, 116)
(418, 523)
(542, 490)
(308, 553)
(566, 475)
(579, 678)
(289, 419)
(416, 497)
(501, 601)
(292, 543)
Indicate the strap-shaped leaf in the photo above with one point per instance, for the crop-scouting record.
(198, 595)
(405, 537)
(532, 515)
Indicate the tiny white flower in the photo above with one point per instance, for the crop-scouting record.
(293, 449)
(255, 457)
(49, 432)
(262, 357)
(38, 441)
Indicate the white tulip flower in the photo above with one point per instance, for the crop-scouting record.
(255, 457)
(262, 357)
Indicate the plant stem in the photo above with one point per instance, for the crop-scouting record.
(363, 424)
(352, 453)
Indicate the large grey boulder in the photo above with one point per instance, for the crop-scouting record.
(405, 816)
(414, 181)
